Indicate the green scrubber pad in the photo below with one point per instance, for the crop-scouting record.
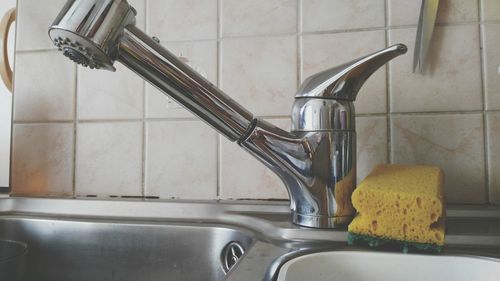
(354, 238)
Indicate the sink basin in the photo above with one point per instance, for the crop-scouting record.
(90, 249)
(378, 266)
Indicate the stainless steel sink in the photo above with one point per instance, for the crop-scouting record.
(83, 250)
(84, 240)
(87, 246)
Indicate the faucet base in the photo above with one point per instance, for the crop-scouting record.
(321, 221)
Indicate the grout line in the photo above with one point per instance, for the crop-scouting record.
(219, 166)
(218, 149)
(110, 120)
(173, 119)
(51, 50)
(42, 122)
(300, 56)
(144, 144)
(219, 21)
(484, 100)
(273, 117)
(489, 22)
(488, 182)
(194, 119)
(75, 129)
(480, 10)
(292, 34)
(372, 115)
(436, 113)
(387, 87)
(12, 107)
(144, 108)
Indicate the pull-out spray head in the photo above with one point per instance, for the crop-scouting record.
(94, 43)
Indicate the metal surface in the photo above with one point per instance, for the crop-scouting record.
(83, 249)
(318, 168)
(426, 23)
(344, 265)
(168, 73)
(109, 240)
(343, 82)
(316, 114)
(12, 255)
(316, 161)
(88, 31)
(231, 254)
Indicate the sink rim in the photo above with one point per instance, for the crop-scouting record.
(349, 254)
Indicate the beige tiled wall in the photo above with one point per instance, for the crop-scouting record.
(79, 132)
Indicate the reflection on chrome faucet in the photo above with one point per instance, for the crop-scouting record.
(316, 160)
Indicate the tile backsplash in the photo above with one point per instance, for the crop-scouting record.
(80, 132)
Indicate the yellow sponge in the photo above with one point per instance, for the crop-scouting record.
(401, 202)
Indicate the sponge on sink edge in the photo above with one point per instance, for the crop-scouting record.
(401, 203)
(403, 192)
(390, 228)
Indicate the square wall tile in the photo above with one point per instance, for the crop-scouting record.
(42, 159)
(493, 120)
(258, 17)
(491, 64)
(322, 15)
(453, 142)
(109, 95)
(403, 12)
(324, 51)
(174, 20)
(490, 10)
(407, 12)
(242, 176)
(44, 87)
(33, 21)
(371, 144)
(202, 56)
(261, 73)
(109, 159)
(451, 80)
(181, 160)
(457, 11)
(140, 7)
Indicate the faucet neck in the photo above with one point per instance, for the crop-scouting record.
(168, 73)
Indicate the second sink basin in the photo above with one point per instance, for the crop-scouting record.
(378, 266)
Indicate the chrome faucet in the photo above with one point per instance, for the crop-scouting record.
(316, 160)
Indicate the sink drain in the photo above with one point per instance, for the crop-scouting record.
(231, 253)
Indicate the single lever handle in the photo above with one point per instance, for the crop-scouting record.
(343, 82)
(5, 69)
